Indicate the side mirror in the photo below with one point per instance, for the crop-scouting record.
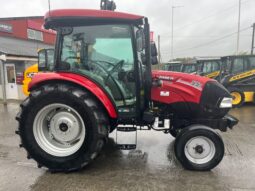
(154, 60)
(154, 53)
(140, 40)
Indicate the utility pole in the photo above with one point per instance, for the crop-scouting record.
(172, 35)
(238, 25)
(252, 42)
(49, 5)
(159, 50)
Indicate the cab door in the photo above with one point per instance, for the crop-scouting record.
(239, 70)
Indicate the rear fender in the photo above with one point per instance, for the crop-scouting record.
(44, 78)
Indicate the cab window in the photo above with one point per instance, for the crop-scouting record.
(215, 66)
(207, 67)
(252, 62)
(177, 68)
(239, 65)
(103, 53)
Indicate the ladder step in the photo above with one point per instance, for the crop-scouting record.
(126, 146)
(126, 129)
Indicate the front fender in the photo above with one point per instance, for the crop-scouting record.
(95, 89)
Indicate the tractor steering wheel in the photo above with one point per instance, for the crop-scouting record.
(110, 76)
(118, 66)
(70, 57)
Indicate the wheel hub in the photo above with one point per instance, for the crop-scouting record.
(199, 149)
(59, 130)
(64, 127)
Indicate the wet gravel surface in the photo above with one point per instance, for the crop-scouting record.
(152, 166)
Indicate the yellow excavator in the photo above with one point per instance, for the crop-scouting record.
(32, 70)
(238, 76)
(28, 75)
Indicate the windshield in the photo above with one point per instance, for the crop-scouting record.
(189, 68)
(103, 53)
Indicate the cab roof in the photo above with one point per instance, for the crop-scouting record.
(60, 17)
(238, 56)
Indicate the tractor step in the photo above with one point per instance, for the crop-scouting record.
(126, 146)
(126, 137)
(126, 129)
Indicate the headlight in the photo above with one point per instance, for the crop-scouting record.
(226, 102)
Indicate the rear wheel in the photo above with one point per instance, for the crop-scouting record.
(237, 96)
(199, 148)
(62, 127)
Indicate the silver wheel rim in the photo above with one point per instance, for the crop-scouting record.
(199, 150)
(59, 130)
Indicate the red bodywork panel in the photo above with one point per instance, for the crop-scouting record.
(178, 87)
(77, 79)
(91, 13)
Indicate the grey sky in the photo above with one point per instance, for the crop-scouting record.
(196, 24)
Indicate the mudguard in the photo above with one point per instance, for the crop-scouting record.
(42, 78)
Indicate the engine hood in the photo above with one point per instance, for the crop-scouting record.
(199, 95)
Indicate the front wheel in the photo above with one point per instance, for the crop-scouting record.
(199, 148)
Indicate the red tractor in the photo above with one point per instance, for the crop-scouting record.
(101, 80)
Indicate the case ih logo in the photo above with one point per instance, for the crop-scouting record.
(5, 28)
(165, 78)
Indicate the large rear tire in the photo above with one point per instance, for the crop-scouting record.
(62, 127)
(199, 148)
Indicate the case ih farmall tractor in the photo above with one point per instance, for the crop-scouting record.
(102, 81)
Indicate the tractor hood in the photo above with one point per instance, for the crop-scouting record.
(175, 76)
(188, 84)
(200, 96)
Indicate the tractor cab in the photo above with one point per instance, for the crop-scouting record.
(237, 67)
(109, 48)
(210, 68)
